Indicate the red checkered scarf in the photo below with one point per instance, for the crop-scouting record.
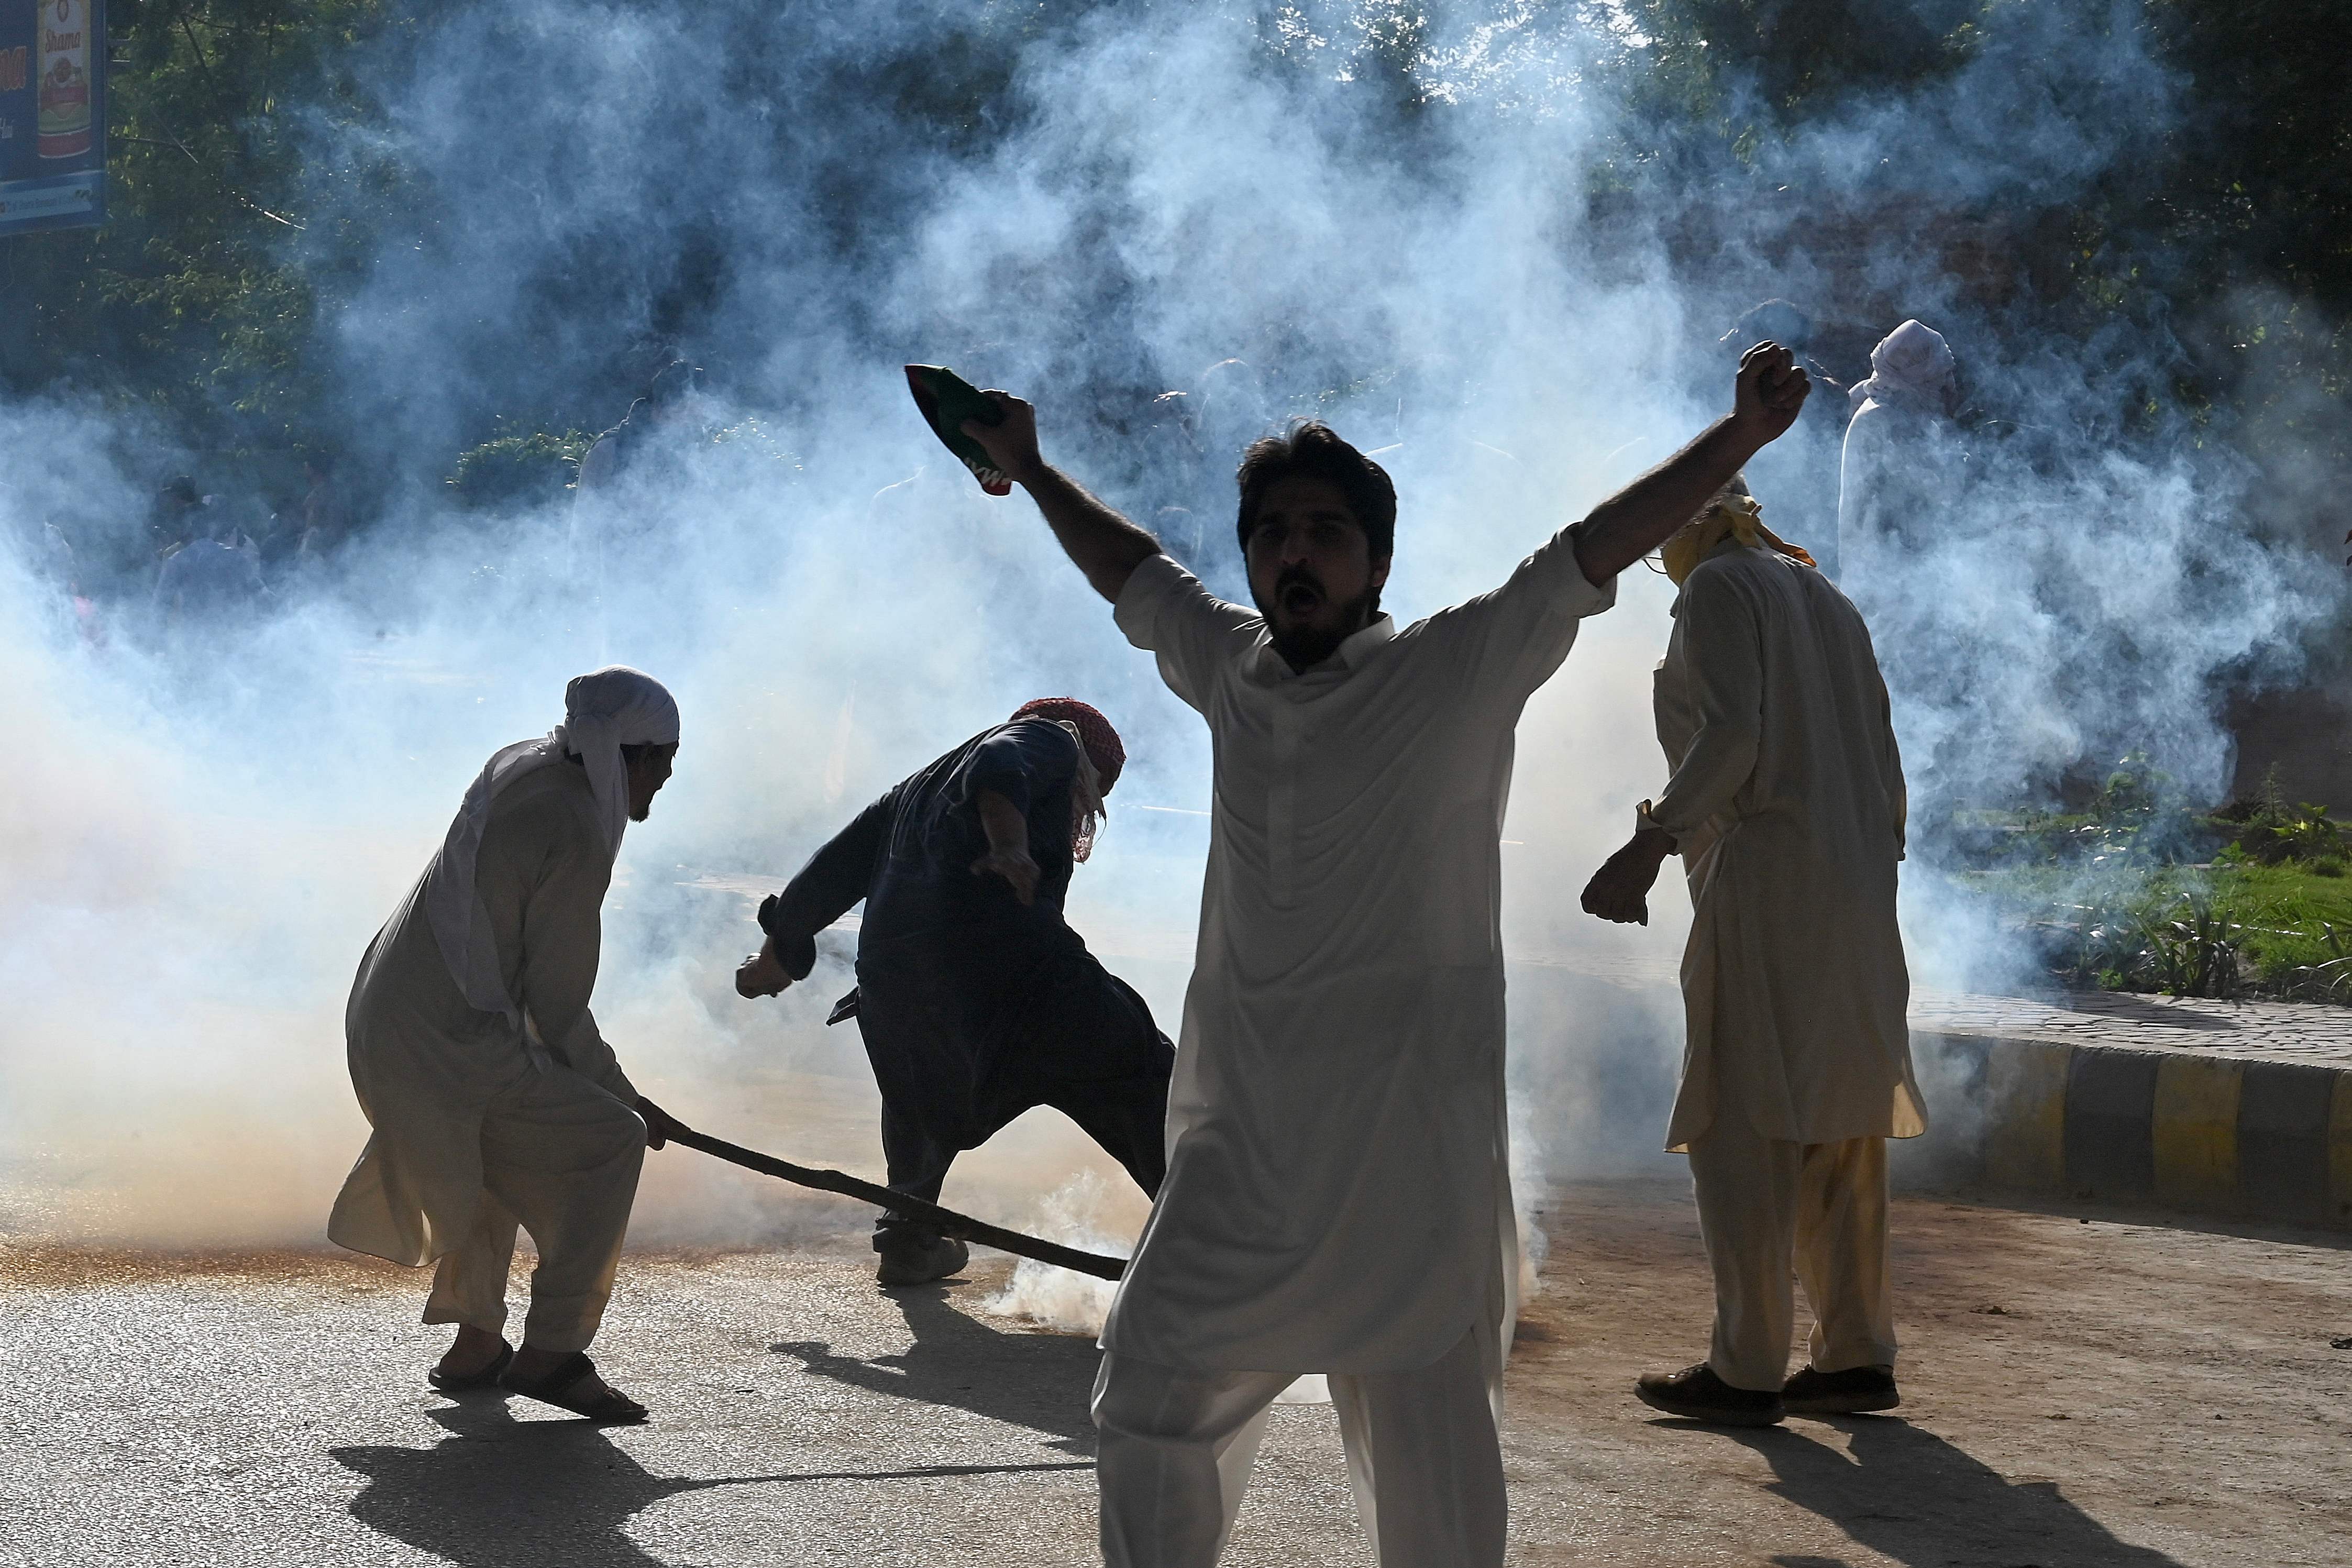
(1101, 757)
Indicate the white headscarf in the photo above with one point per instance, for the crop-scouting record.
(1912, 365)
(615, 707)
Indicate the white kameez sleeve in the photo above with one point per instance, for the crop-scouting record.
(563, 934)
(1167, 611)
(1725, 659)
(1517, 635)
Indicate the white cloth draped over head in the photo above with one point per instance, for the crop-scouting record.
(613, 708)
(1912, 365)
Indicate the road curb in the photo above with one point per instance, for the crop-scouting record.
(2202, 1134)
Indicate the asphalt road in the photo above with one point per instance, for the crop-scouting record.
(2078, 1394)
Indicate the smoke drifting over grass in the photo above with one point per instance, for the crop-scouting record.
(205, 827)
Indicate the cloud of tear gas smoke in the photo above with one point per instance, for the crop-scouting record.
(207, 822)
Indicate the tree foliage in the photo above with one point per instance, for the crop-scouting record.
(210, 294)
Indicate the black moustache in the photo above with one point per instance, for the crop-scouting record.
(1297, 577)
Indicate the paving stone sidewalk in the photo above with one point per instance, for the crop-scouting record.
(2312, 1033)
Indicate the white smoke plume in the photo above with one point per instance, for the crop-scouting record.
(204, 829)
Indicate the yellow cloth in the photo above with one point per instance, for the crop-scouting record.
(1733, 517)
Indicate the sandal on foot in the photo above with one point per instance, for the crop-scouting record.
(558, 1388)
(461, 1381)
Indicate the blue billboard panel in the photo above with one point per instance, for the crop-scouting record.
(52, 114)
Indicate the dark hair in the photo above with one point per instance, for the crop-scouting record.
(1314, 450)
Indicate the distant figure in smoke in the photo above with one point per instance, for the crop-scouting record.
(1787, 806)
(495, 1102)
(325, 520)
(977, 1001)
(1803, 471)
(669, 400)
(1339, 1196)
(1780, 321)
(210, 569)
(1230, 409)
(1172, 456)
(170, 521)
(1898, 470)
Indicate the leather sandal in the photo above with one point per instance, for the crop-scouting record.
(464, 1382)
(612, 1407)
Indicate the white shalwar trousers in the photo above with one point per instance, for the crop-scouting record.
(1424, 1459)
(559, 1158)
(1765, 1206)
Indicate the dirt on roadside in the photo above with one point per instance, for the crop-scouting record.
(2077, 1391)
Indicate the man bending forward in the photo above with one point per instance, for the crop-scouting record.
(494, 1099)
(976, 999)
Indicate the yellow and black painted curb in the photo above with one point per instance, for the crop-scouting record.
(2182, 1130)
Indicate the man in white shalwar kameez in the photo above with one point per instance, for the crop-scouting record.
(494, 1099)
(1787, 806)
(1338, 1197)
(1898, 468)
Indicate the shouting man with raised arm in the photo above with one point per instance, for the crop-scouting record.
(976, 998)
(1338, 1197)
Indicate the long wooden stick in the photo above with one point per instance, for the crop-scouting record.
(947, 1222)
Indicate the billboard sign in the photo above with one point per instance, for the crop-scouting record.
(52, 114)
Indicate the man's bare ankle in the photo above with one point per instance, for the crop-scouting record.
(472, 1350)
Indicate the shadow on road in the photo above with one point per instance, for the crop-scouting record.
(1908, 1494)
(1041, 1382)
(503, 1493)
(508, 1492)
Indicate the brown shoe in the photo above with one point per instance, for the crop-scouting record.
(1696, 1394)
(1854, 1392)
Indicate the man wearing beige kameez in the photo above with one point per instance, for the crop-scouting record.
(1787, 806)
(494, 1100)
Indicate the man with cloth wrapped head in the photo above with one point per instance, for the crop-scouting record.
(1787, 805)
(1338, 1193)
(976, 1000)
(1900, 472)
(494, 1100)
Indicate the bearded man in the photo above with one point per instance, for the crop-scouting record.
(977, 1000)
(1338, 1197)
(1787, 805)
(495, 1102)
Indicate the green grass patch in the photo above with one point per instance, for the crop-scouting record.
(2284, 929)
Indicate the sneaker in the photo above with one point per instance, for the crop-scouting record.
(1696, 1394)
(1848, 1393)
(917, 1258)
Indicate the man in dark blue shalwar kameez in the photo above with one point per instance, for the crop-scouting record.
(976, 1001)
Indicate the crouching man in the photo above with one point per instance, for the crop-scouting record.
(1787, 806)
(494, 1100)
